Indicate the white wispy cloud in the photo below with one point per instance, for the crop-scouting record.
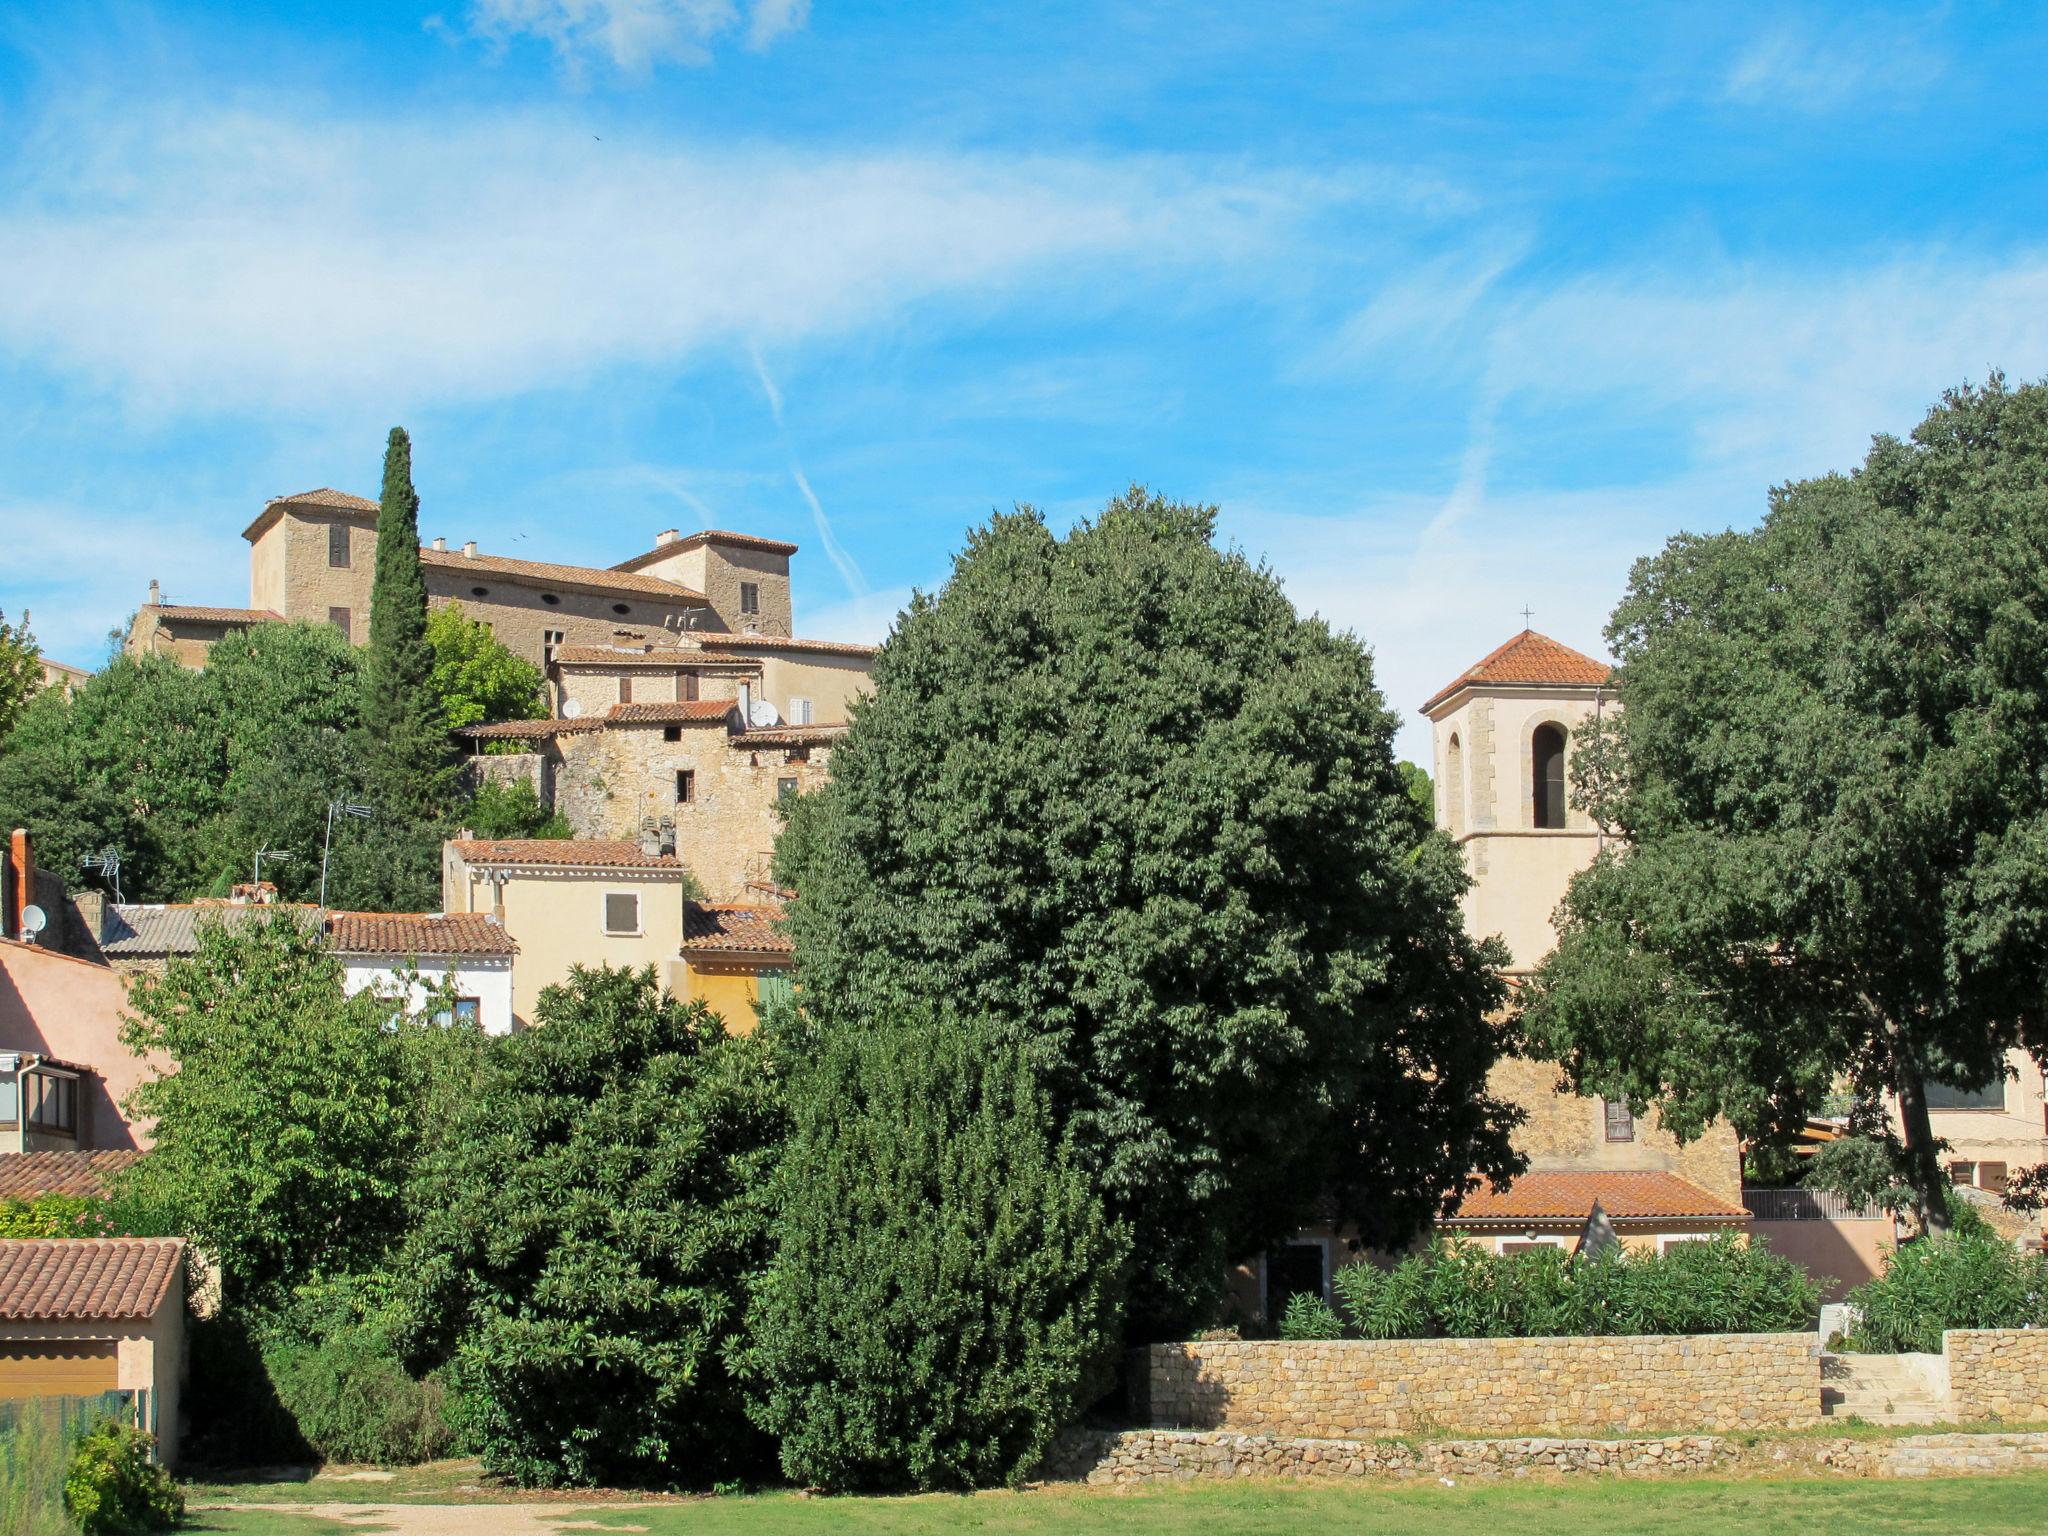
(635, 37)
(1796, 68)
(287, 260)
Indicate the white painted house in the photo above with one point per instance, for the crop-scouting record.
(413, 953)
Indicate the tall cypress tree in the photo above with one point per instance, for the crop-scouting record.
(408, 767)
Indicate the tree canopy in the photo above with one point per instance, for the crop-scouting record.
(21, 670)
(1829, 781)
(476, 678)
(1114, 798)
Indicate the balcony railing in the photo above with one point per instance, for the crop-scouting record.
(1806, 1205)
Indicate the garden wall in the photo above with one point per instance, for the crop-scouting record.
(1997, 1373)
(1356, 1388)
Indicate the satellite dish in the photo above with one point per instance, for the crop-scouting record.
(761, 713)
(572, 709)
(33, 921)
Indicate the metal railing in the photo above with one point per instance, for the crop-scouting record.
(1806, 1205)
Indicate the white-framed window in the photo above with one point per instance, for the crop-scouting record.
(1525, 1242)
(1619, 1120)
(1671, 1240)
(622, 912)
(799, 711)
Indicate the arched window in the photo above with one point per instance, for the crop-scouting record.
(1454, 786)
(1547, 758)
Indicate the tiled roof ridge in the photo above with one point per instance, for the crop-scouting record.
(1528, 657)
(723, 639)
(706, 536)
(597, 577)
(594, 853)
(1568, 1194)
(47, 1279)
(26, 1175)
(209, 611)
(418, 933)
(326, 496)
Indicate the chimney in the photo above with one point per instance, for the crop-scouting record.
(668, 836)
(666, 536)
(21, 881)
(156, 593)
(92, 912)
(441, 545)
(650, 836)
(469, 550)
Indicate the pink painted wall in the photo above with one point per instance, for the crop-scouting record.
(71, 1009)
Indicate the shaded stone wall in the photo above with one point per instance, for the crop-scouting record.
(1997, 1373)
(1355, 1388)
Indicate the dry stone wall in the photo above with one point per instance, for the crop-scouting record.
(1358, 1388)
(1997, 1373)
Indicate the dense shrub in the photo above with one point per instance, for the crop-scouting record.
(1460, 1290)
(946, 1288)
(336, 1365)
(35, 1454)
(588, 1230)
(113, 1485)
(1970, 1280)
(54, 1216)
(1310, 1317)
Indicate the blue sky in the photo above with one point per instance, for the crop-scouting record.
(1449, 308)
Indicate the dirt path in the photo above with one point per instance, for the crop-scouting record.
(452, 1519)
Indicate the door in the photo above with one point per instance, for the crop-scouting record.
(1291, 1269)
(57, 1368)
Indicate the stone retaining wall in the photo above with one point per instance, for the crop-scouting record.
(1997, 1373)
(1353, 1389)
(1162, 1455)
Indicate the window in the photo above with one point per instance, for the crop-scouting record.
(468, 1010)
(1454, 786)
(1672, 1239)
(1295, 1269)
(52, 1103)
(1991, 1176)
(337, 546)
(550, 642)
(622, 912)
(10, 1101)
(338, 617)
(625, 690)
(620, 608)
(1547, 760)
(1508, 1247)
(479, 591)
(686, 687)
(785, 789)
(1621, 1121)
(1942, 1096)
(750, 597)
(799, 711)
(671, 733)
(686, 785)
(550, 599)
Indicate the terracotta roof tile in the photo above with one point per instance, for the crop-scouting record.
(563, 852)
(326, 496)
(86, 1277)
(529, 730)
(708, 536)
(1528, 658)
(790, 735)
(673, 658)
(723, 640)
(199, 614)
(682, 711)
(1626, 1195)
(418, 933)
(546, 573)
(25, 1175)
(711, 926)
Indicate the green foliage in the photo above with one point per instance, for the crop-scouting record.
(35, 1453)
(114, 1486)
(1968, 1280)
(1420, 789)
(1113, 796)
(1863, 1170)
(587, 1233)
(290, 1117)
(944, 1298)
(1310, 1317)
(1832, 859)
(475, 678)
(21, 670)
(335, 1362)
(1460, 1290)
(512, 810)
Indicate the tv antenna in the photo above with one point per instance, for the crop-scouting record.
(336, 808)
(107, 864)
(275, 855)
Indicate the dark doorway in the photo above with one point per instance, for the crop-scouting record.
(1547, 751)
(1291, 1270)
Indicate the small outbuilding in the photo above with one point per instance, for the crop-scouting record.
(80, 1316)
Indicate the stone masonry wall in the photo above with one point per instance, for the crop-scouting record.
(1354, 1388)
(1997, 1373)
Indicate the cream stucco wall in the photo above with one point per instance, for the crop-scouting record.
(2016, 1135)
(830, 682)
(486, 978)
(556, 917)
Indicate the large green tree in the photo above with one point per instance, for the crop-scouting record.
(587, 1234)
(946, 1288)
(408, 766)
(1113, 796)
(21, 670)
(476, 678)
(1829, 787)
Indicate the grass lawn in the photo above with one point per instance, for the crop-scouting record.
(1990, 1506)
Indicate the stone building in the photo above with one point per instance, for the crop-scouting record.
(312, 558)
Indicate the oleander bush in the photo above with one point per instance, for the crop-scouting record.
(1971, 1279)
(1460, 1290)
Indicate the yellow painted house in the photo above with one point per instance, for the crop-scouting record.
(737, 958)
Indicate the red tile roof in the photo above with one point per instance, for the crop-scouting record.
(708, 536)
(203, 615)
(734, 926)
(563, 853)
(1626, 1195)
(791, 735)
(529, 730)
(25, 1175)
(86, 1277)
(326, 496)
(682, 711)
(673, 658)
(723, 640)
(546, 573)
(1528, 658)
(418, 933)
